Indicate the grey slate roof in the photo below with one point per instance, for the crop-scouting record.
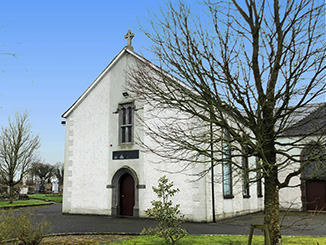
(310, 120)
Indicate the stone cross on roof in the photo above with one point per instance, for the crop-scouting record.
(129, 36)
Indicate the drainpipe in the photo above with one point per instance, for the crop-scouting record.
(212, 170)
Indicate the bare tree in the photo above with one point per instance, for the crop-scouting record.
(240, 76)
(44, 171)
(18, 150)
(59, 172)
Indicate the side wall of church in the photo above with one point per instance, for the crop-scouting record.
(239, 204)
(195, 196)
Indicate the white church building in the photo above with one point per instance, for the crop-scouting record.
(107, 173)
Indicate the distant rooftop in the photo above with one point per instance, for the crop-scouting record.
(310, 119)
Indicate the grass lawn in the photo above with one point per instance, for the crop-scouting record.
(47, 197)
(199, 240)
(221, 239)
(188, 240)
(21, 203)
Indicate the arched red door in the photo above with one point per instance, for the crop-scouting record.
(127, 195)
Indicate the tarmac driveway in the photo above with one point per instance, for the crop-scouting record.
(294, 223)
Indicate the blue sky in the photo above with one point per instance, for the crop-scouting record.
(60, 48)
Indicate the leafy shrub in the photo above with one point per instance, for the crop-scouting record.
(168, 216)
(3, 195)
(21, 227)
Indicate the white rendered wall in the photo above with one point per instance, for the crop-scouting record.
(87, 148)
(290, 197)
(238, 205)
(88, 155)
(193, 194)
(195, 197)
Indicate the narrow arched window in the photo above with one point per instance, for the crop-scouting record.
(227, 165)
(245, 176)
(126, 121)
(259, 178)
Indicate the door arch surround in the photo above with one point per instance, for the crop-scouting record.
(116, 181)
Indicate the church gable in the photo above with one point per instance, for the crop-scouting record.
(92, 135)
(116, 62)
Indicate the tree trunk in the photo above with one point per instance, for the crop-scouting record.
(271, 201)
(271, 211)
(11, 194)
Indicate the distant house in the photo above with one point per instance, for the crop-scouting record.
(106, 171)
(309, 192)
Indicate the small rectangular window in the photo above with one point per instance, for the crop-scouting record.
(126, 120)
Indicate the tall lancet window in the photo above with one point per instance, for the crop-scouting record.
(259, 177)
(227, 166)
(245, 176)
(126, 121)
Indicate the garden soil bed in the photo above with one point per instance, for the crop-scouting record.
(84, 239)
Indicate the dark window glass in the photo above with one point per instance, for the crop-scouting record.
(129, 115)
(245, 166)
(123, 134)
(124, 115)
(227, 166)
(259, 176)
(129, 134)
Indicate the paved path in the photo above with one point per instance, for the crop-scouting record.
(301, 223)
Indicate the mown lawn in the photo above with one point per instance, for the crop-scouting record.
(21, 203)
(192, 240)
(47, 197)
(188, 240)
(220, 239)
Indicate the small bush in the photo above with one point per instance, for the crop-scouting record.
(21, 227)
(168, 216)
(4, 195)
